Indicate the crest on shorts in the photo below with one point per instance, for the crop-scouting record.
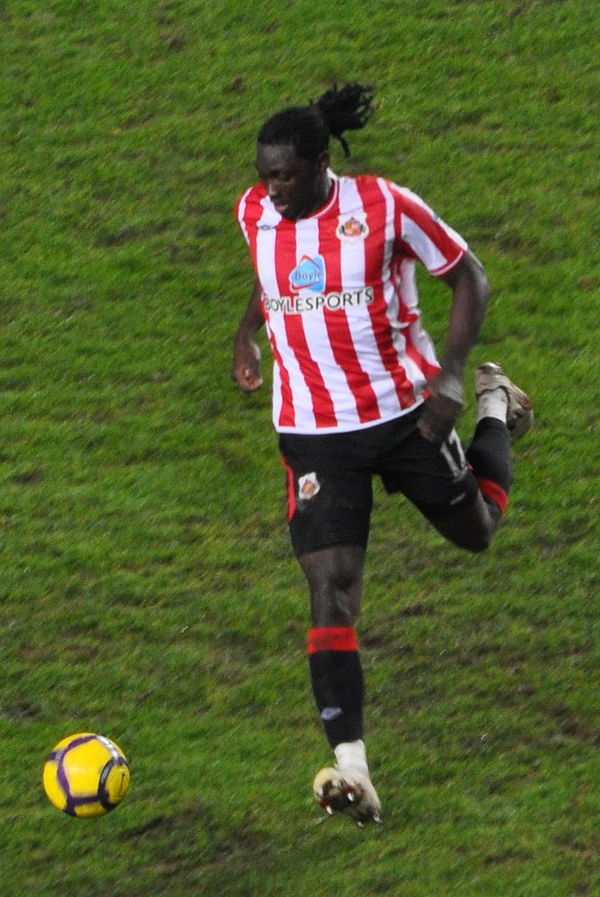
(308, 486)
(352, 227)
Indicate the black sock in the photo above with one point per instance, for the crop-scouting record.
(490, 457)
(337, 682)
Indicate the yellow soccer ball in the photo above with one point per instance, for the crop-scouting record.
(86, 775)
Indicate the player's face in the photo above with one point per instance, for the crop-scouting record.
(296, 187)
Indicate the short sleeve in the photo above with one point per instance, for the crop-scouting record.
(432, 241)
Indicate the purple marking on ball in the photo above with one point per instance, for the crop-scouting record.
(60, 771)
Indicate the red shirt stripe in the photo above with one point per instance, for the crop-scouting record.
(286, 418)
(372, 199)
(320, 397)
(346, 356)
(339, 332)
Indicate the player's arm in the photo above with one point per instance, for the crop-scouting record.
(470, 292)
(246, 370)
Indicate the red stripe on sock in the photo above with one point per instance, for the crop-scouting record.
(495, 492)
(332, 638)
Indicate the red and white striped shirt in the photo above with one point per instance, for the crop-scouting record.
(340, 301)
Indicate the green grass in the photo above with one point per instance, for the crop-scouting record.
(147, 589)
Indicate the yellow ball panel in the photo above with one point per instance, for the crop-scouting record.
(87, 811)
(56, 795)
(83, 766)
(117, 783)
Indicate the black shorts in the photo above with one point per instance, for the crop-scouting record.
(329, 479)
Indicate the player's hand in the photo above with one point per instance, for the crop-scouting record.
(443, 407)
(246, 371)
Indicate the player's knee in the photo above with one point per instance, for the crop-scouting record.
(332, 607)
(335, 581)
(335, 601)
(476, 543)
(470, 527)
(470, 536)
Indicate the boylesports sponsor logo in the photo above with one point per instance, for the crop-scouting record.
(293, 305)
(309, 274)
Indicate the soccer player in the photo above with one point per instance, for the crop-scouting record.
(358, 390)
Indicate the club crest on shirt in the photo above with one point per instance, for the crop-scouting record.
(309, 274)
(352, 227)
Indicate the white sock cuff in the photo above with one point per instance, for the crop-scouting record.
(493, 403)
(352, 754)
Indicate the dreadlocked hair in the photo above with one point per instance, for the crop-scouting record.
(309, 128)
(346, 108)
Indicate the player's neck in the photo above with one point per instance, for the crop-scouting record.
(322, 196)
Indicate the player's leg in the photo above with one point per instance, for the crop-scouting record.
(504, 413)
(329, 506)
(465, 496)
(334, 577)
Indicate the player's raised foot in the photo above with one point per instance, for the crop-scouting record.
(347, 791)
(489, 376)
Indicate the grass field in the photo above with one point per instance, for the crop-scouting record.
(147, 589)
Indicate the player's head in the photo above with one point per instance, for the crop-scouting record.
(293, 146)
